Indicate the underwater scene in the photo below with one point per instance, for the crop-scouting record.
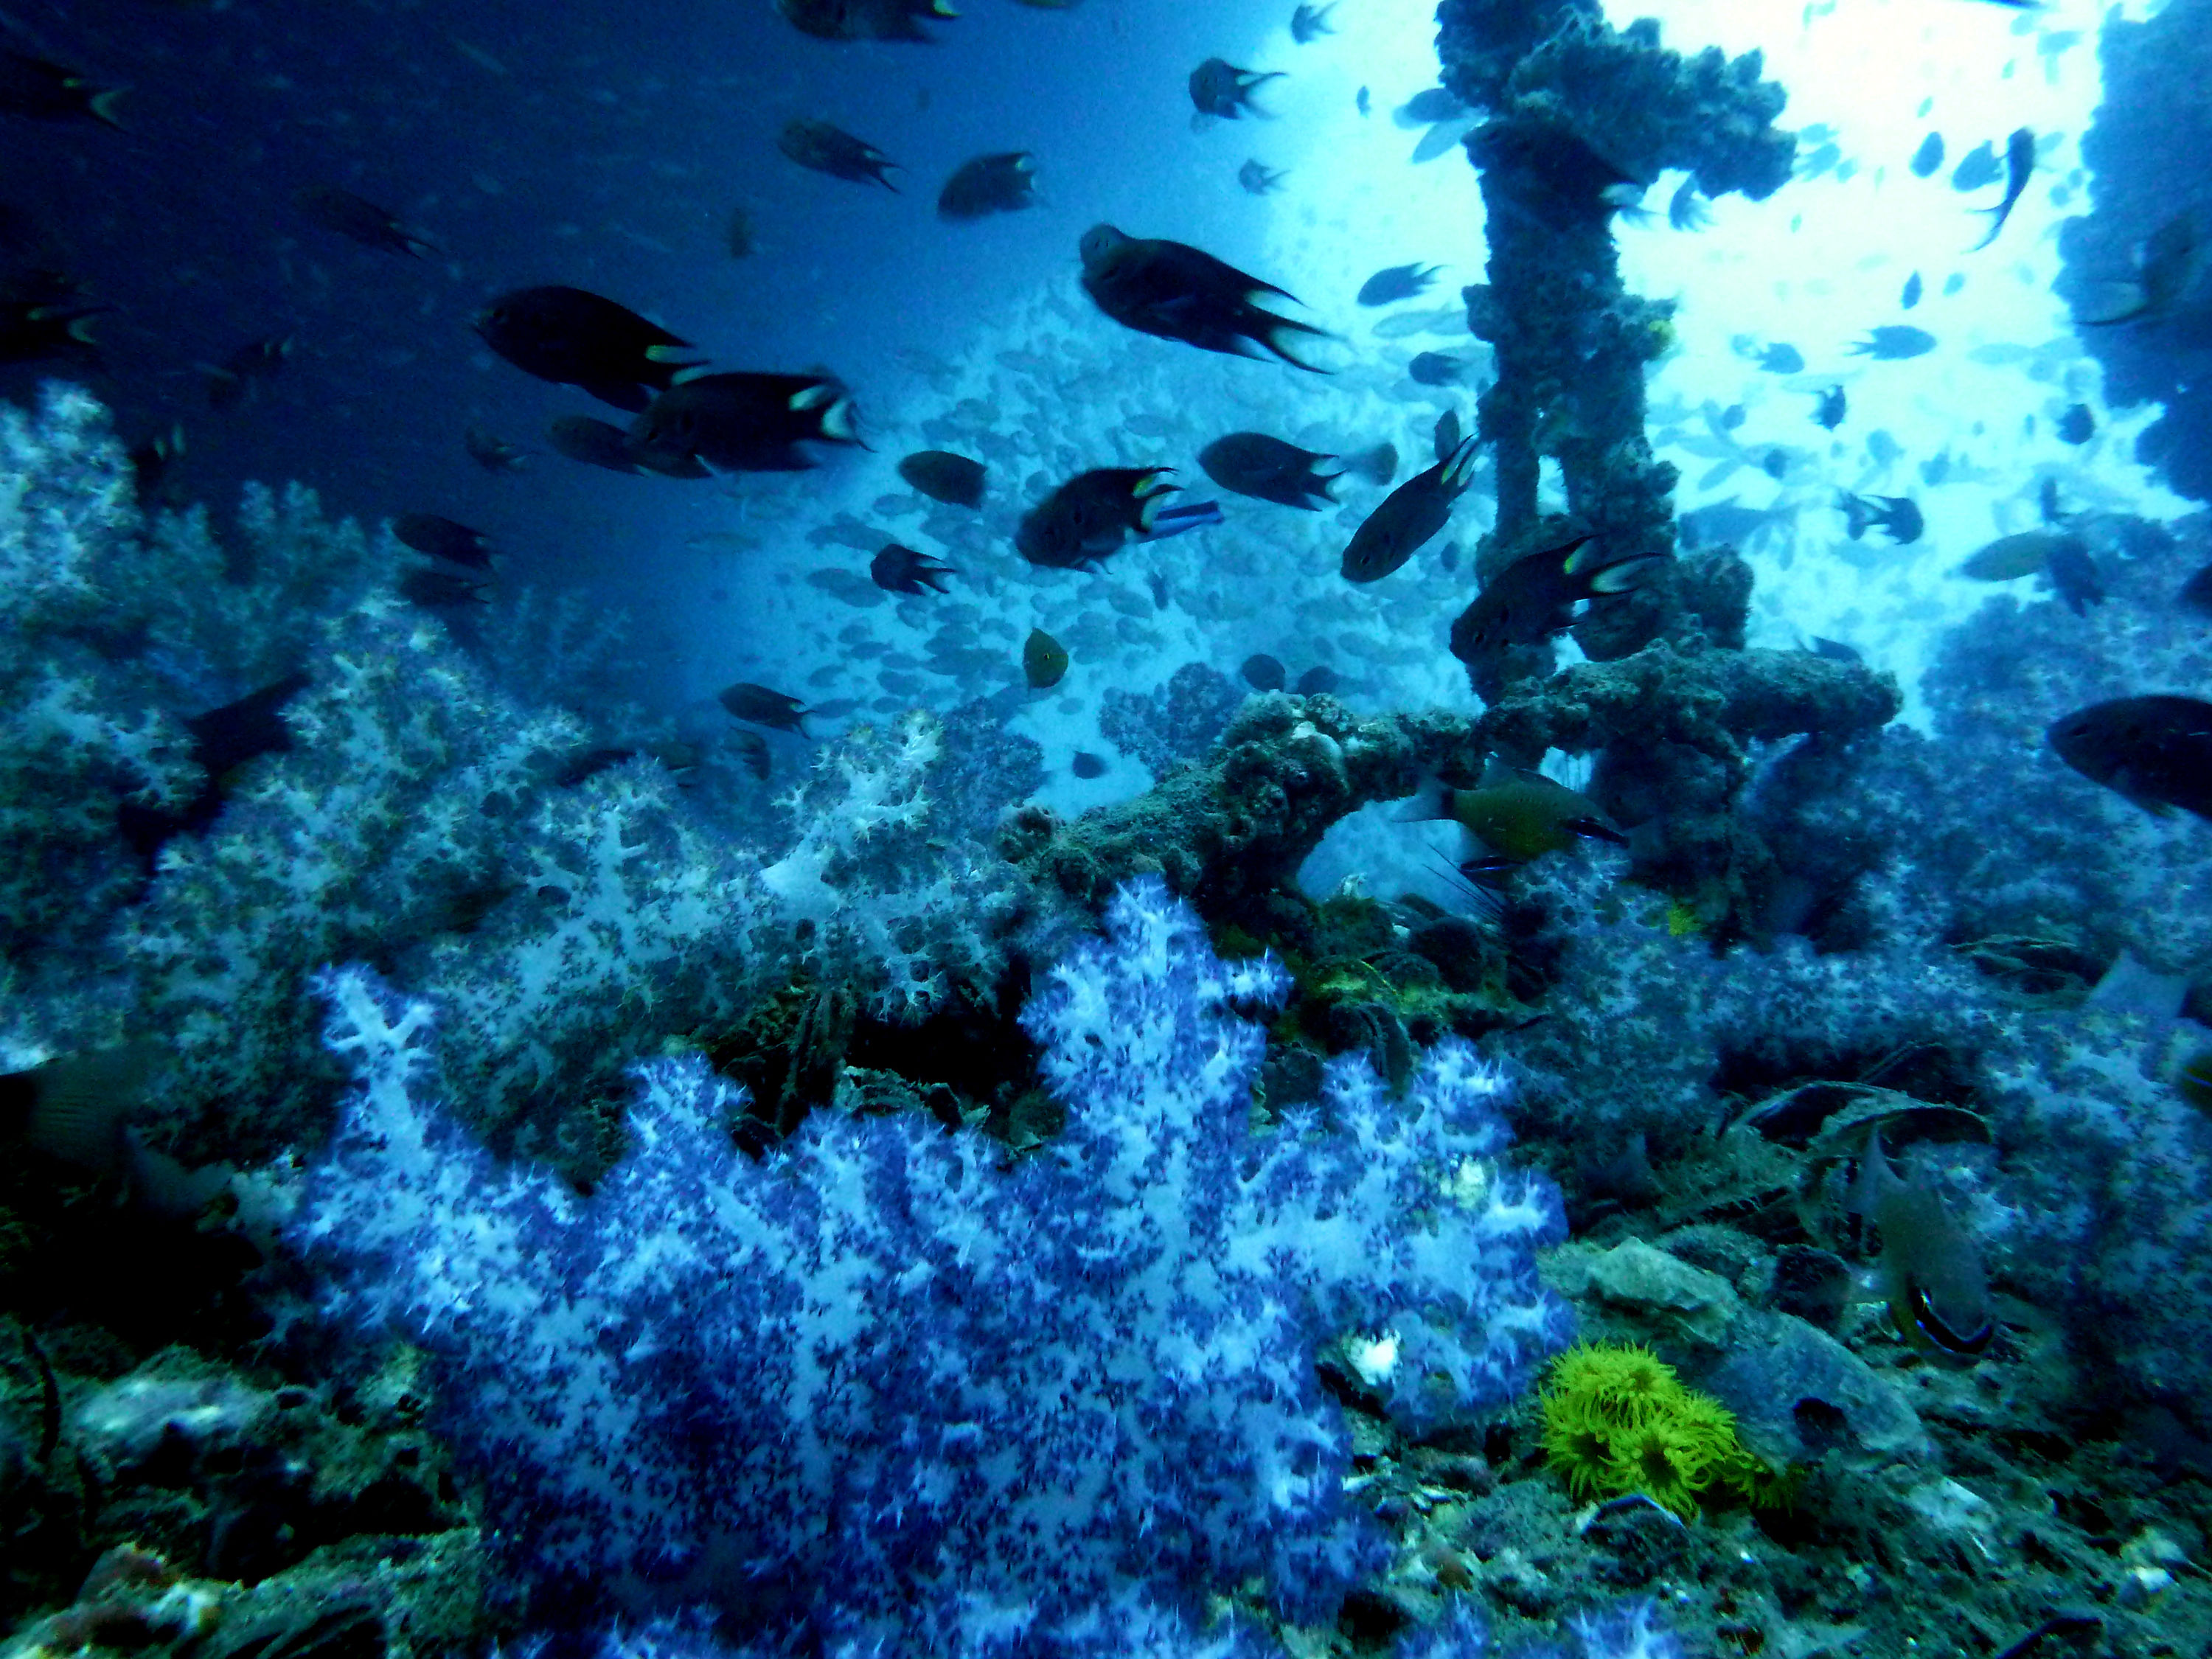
(1105, 829)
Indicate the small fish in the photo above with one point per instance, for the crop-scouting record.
(360, 220)
(1268, 469)
(752, 753)
(899, 569)
(153, 468)
(245, 370)
(2075, 577)
(1776, 464)
(1317, 682)
(1436, 368)
(1308, 22)
(1538, 595)
(1897, 516)
(1911, 296)
(1085, 764)
(1687, 209)
(2020, 163)
(1003, 182)
(1979, 167)
(44, 91)
(821, 147)
(1221, 91)
(1782, 359)
(2167, 267)
(594, 442)
(1516, 816)
(1726, 523)
(1929, 156)
(737, 422)
(1263, 672)
(492, 453)
(2077, 425)
(1177, 292)
(1447, 434)
(943, 476)
(1395, 282)
(1044, 660)
(1931, 1271)
(434, 589)
(1180, 520)
(864, 20)
(756, 705)
(1409, 517)
(1734, 416)
(1427, 107)
(1363, 101)
(1893, 341)
(223, 740)
(35, 332)
(1259, 180)
(2154, 751)
(572, 337)
(443, 538)
(1092, 515)
(1834, 650)
(1377, 465)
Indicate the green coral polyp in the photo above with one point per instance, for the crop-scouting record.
(1617, 1419)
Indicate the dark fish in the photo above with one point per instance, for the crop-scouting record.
(821, 147)
(228, 385)
(1517, 816)
(360, 220)
(1897, 516)
(738, 233)
(899, 569)
(1726, 523)
(1176, 292)
(1087, 765)
(1003, 182)
(1831, 408)
(1834, 650)
(1929, 156)
(1092, 515)
(223, 740)
(442, 538)
(863, 20)
(32, 333)
(1377, 465)
(1436, 368)
(1776, 464)
(2077, 425)
(1258, 179)
(1395, 282)
(1447, 433)
(1931, 1270)
(2165, 270)
(594, 442)
(1536, 596)
(2074, 576)
(1911, 296)
(1263, 672)
(153, 468)
(1044, 660)
(437, 589)
(737, 422)
(757, 705)
(492, 452)
(1268, 469)
(44, 91)
(943, 476)
(1317, 682)
(1361, 102)
(2011, 557)
(1309, 22)
(1409, 517)
(1427, 108)
(1894, 340)
(1218, 88)
(2196, 592)
(1687, 209)
(1733, 416)
(572, 337)
(1782, 360)
(752, 753)
(2020, 163)
(2156, 751)
(1978, 166)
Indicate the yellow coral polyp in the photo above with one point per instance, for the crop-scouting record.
(1617, 1419)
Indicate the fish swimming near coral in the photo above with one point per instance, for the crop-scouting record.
(2168, 266)
(2156, 751)
(1044, 660)
(1687, 209)
(1897, 516)
(944, 476)
(758, 705)
(1395, 282)
(1436, 368)
(492, 452)
(1931, 1269)
(573, 337)
(1409, 517)
(2020, 163)
(247, 369)
(1177, 292)
(1308, 23)
(898, 569)
(1540, 594)
(1268, 469)
(441, 538)
(594, 442)
(1263, 672)
(1516, 816)
(821, 147)
(735, 421)
(223, 740)
(1221, 91)
(1893, 341)
(1092, 515)
(1004, 182)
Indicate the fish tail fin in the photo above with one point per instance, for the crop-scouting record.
(1628, 574)
(1997, 217)
(1278, 326)
(102, 107)
(1459, 469)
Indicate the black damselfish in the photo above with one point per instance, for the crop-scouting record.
(1178, 292)
(1537, 596)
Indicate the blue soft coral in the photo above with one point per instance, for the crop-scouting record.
(883, 1381)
